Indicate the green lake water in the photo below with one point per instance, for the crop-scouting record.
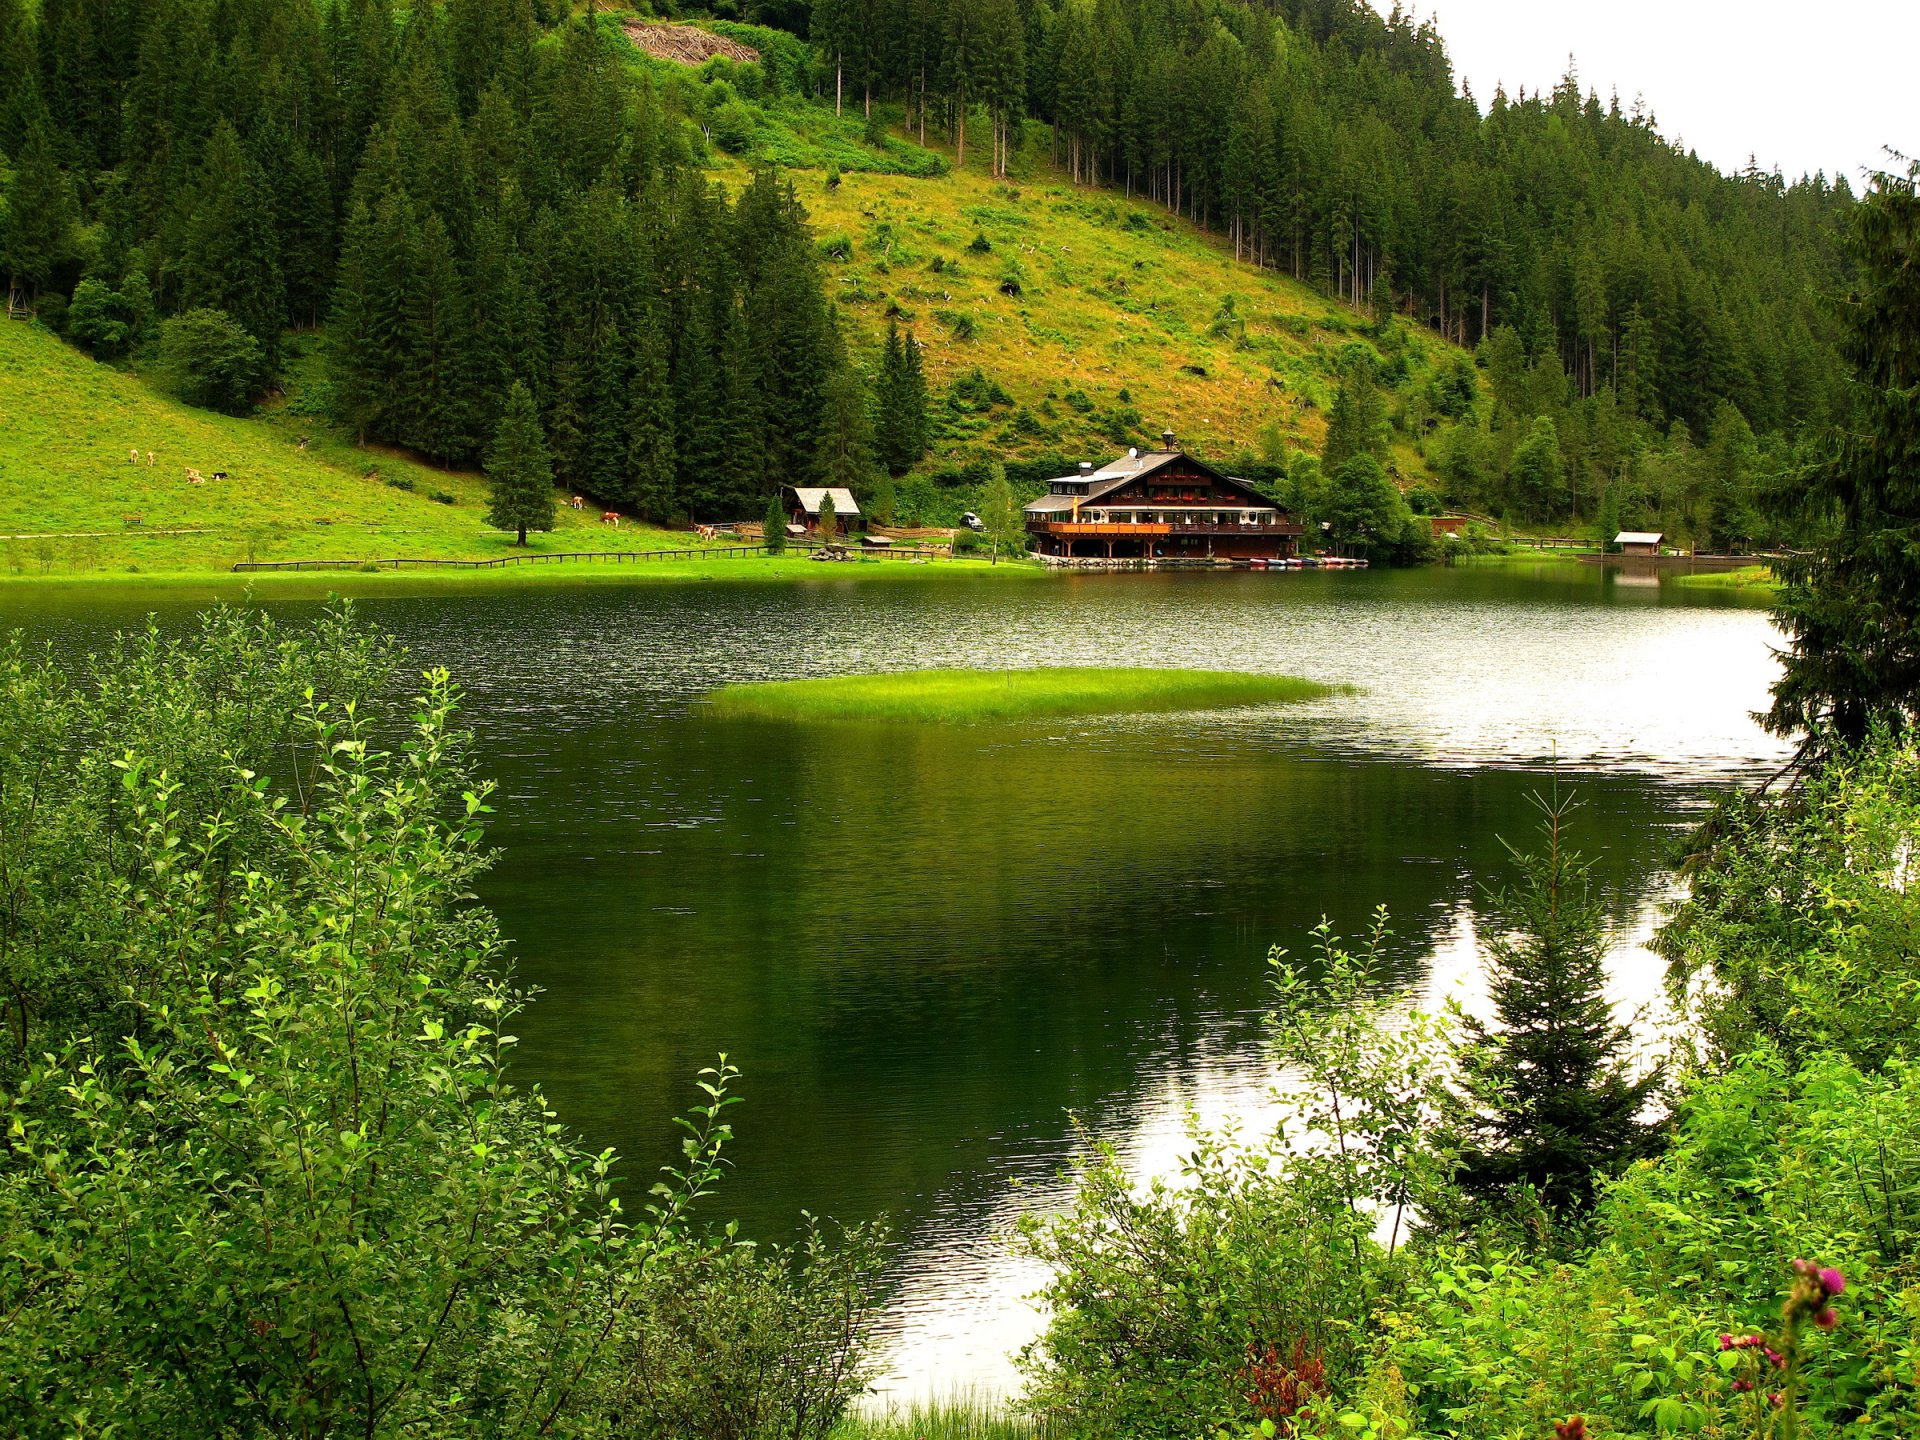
(925, 947)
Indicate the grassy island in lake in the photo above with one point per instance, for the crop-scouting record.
(971, 696)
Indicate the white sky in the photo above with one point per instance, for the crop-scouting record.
(1803, 87)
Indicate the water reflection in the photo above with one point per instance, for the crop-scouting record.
(924, 947)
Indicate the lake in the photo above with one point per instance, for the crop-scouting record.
(928, 949)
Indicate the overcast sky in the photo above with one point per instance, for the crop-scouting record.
(1804, 87)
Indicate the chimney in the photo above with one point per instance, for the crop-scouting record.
(1086, 467)
(1166, 439)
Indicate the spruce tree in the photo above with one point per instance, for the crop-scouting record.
(519, 474)
(1851, 600)
(1546, 1097)
(38, 231)
(844, 457)
(1357, 424)
(231, 256)
(773, 528)
(1000, 513)
(829, 521)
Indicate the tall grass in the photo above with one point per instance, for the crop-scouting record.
(974, 696)
(959, 1417)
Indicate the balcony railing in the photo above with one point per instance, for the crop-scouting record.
(1141, 528)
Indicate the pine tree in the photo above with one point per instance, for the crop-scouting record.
(649, 422)
(1538, 478)
(829, 530)
(773, 528)
(519, 474)
(1546, 1099)
(38, 233)
(231, 257)
(1357, 423)
(844, 458)
(1851, 601)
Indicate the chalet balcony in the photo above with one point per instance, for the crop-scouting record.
(1133, 529)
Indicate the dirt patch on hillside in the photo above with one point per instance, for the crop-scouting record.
(686, 44)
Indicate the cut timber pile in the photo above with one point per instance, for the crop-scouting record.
(686, 44)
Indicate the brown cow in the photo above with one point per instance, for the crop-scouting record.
(610, 517)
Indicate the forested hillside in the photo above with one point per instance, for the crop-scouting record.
(479, 191)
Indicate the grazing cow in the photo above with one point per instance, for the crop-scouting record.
(576, 502)
(610, 517)
(149, 458)
(219, 474)
(706, 532)
(194, 477)
(133, 456)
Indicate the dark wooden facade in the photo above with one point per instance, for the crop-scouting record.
(1161, 505)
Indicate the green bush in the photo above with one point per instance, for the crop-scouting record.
(209, 360)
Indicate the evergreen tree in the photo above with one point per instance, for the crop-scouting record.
(231, 256)
(1851, 600)
(829, 521)
(519, 474)
(844, 458)
(38, 231)
(1546, 1099)
(1357, 424)
(1538, 478)
(773, 529)
(900, 404)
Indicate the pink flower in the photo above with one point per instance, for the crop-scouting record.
(1825, 1318)
(1833, 1282)
(1726, 1342)
(1740, 1387)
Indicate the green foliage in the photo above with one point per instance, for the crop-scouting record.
(1797, 933)
(1538, 482)
(1357, 425)
(750, 1342)
(209, 359)
(265, 1169)
(1167, 1302)
(521, 478)
(1546, 1102)
(988, 696)
(773, 525)
(1367, 512)
(829, 521)
(1848, 601)
(1000, 513)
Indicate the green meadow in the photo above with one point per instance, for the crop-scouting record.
(977, 696)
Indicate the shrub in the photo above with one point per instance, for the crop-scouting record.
(208, 359)
(441, 497)
(97, 320)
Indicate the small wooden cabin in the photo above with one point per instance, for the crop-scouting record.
(803, 504)
(1160, 504)
(1639, 542)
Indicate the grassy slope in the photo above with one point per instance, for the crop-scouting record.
(1115, 294)
(973, 696)
(1116, 298)
(66, 486)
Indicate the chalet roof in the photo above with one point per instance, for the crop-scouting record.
(809, 498)
(1118, 472)
(1639, 537)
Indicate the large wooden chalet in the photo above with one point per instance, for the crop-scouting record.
(1162, 504)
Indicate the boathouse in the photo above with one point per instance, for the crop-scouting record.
(1158, 505)
(1639, 542)
(803, 509)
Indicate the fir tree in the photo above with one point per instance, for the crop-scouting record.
(844, 458)
(1357, 424)
(519, 474)
(773, 528)
(829, 530)
(1546, 1098)
(231, 257)
(38, 231)
(1851, 601)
